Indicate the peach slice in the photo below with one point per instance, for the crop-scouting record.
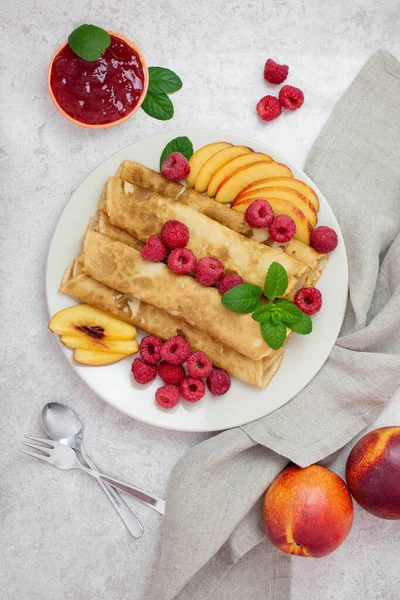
(83, 320)
(127, 347)
(232, 185)
(96, 358)
(201, 156)
(215, 163)
(294, 184)
(232, 166)
(283, 207)
(291, 196)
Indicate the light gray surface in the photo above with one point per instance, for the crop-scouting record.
(60, 538)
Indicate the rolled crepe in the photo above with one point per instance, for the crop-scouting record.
(121, 267)
(147, 178)
(157, 322)
(143, 213)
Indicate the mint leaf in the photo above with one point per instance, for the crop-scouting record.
(276, 281)
(158, 106)
(179, 144)
(163, 81)
(289, 311)
(274, 334)
(243, 298)
(303, 325)
(89, 42)
(261, 315)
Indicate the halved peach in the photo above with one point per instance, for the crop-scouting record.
(217, 161)
(201, 156)
(114, 346)
(96, 358)
(232, 185)
(294, 184)
(291, 196)
(232, 166)
(83, 320)
(283, 207)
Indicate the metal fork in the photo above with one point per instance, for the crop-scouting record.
(64, 457)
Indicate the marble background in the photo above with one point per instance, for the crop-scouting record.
(60, 539)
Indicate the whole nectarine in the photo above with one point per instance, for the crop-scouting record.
(308, 512)
(373, 472)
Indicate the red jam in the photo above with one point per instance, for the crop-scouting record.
(102, 91)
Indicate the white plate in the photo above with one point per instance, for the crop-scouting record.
(304, 355)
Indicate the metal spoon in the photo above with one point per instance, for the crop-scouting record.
(63, 425)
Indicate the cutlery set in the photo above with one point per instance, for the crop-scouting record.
(61, 450)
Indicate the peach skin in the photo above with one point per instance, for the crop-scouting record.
(308, 512)
(373, 472)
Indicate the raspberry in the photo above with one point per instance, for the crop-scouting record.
(172, 374)
(282, 229)
(174, 234)
(167, 396)
(150, 349)
(218, 382)
(176, 350)
(274, 72)
(192, 389)
(208, 270)
(268, 108)
(308, 300)
(199, 365)
(228, 282)
(154, 249)
(142, 372)
(291, 97)
(181, 261)
(324, 239)
(175, 167)
(259, 214)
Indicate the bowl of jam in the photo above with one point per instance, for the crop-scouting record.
(101, 93)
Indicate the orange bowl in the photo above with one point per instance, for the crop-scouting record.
(113, 123)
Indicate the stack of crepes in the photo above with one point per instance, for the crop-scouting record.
(111, 275)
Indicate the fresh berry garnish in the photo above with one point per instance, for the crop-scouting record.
(291, 97)
(259, 214)
(142, 372)
(282, 229)
(274, 72)
(199, 365)
(182, 261)
(167, 396)
(154, 249)
(218, 382)
(324, 239)
(150, 349)
(172, 374)
(308, 300)
(208, 270)
(174, 234)
(176, 350)
(175, 167)
(268, 108)
(192, 389)
(228, 282)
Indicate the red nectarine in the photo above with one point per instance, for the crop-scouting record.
(308, 512)
(373, 472)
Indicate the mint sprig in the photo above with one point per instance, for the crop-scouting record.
(163, 81)
(89, 42)
(243, 298)
(156, 104)
(179, 144)
(274, 316)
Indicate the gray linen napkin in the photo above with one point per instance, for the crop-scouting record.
(214, 546)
